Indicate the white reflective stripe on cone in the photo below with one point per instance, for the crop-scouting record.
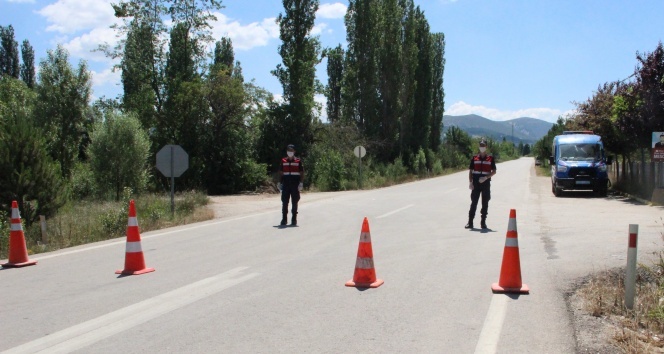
(15, 213)
(365, 237)
(132, 221)
(133, 247)
(17, 227)
(364, 263)
(511, 225)
(511, 242)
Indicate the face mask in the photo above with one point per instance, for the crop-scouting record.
(482, 149)
(290, 153)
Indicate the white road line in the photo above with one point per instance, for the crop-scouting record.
(493, 324)
(92, 331)
(395, 211)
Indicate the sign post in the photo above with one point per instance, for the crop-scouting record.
(360, 151)
(172, 161)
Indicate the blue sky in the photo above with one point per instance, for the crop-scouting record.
(505, 59)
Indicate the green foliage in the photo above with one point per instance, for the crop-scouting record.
(297, 73)
(9, 64)
(82, 182)
(28, 66)
(63, 97)
(119, 155)
(30, 176)
(420, 163)
(329, 171)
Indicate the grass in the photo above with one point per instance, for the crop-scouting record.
(641, 329)
(84, 222)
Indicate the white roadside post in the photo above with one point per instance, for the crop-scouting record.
(630, 272)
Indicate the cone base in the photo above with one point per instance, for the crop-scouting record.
(19, 265)
(375, 284)
(134, 272)
(499, 289)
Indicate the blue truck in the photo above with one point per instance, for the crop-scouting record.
(579, 162)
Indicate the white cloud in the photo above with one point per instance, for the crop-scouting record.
(70, 16)
(105, 77)
(336, 10)
(245, 37)
(83, 45)
(547, 114)
(318, 29)
(322, 100)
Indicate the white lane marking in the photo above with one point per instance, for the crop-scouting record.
(493, 324)
(394, 212)
(89, 248)
(92, 331)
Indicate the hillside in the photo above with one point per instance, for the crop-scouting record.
(526, 130)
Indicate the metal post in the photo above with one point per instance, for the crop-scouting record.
(42, 222)
(172, 182)
(360, 161)
(630, 272)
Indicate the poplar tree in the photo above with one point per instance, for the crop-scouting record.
(335, 72)
(300, 53)
(28, 65)
(9, 64)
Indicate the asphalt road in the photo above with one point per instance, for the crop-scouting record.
(244, 285)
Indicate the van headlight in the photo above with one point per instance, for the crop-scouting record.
(602, 168)
(561, 168)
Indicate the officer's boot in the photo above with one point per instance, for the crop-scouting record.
(469, 225)
(284, 217)
(483, 223)
(294, 219)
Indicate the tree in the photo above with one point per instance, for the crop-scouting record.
(297, 74)
(142, 82)
(28, 66)
(9, 64)
(438, 93)
(119, 154)
(63, 94)
(360, 99)
(335, 72)
(30, 176)
(223, 53)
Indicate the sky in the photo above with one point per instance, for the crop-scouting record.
(504, 59)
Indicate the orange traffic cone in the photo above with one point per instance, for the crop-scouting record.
(510, 272)
(365, 274)
(134, 261)
(18, 251)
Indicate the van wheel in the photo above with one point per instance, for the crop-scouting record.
(601, 192)
(556, 191)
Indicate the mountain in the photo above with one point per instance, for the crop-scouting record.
(526, 130)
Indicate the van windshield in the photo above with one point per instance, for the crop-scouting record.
(580, 152)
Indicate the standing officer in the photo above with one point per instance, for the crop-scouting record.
(482, 168)
(291, 175)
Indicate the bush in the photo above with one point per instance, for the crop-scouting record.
(330, 171)
(82, 184)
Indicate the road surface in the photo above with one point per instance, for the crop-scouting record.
(244, 285)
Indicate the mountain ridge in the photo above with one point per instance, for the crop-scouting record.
(524, 129)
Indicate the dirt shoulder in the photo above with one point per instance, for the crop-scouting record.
(226, 206)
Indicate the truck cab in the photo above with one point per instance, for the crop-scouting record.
(579, 163)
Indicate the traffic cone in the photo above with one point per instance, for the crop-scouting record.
(510, 272)
(134, 261)
(18, 251)
(365, 274)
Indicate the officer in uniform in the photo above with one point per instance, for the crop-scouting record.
(482, 168)
(291, 175)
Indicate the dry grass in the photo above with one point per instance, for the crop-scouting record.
(640, 330)
(91, 221)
